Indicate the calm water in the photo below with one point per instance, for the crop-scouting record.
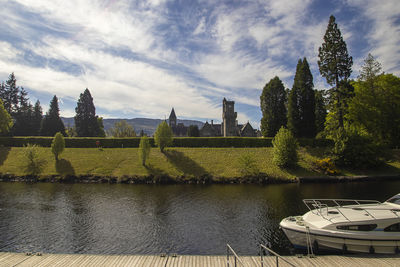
(183, 219)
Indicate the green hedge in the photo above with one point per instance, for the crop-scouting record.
(177, 142)
(221, 142)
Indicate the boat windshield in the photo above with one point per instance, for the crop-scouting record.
(394, 200)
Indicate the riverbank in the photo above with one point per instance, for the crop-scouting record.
(176, 165)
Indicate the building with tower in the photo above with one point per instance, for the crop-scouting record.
(177, 129)
(228, 127)
(229, 124)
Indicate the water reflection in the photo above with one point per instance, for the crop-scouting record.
(151, 219)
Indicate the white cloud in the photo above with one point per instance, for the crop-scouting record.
(384, 36)
(7, 52)
(220, 50)
(115, 83)
(201, 27)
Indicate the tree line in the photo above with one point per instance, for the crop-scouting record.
(18, 117)
(367, 107)
(361, 116)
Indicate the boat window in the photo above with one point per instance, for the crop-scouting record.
(393, 228)
(362, 227)
(395, 200)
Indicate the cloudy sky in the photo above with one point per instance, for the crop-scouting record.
(141, 58)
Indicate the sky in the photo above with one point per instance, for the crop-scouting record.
(141, 58)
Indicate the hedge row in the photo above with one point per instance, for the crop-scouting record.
(177, 142)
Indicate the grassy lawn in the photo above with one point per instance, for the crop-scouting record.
(217, 162)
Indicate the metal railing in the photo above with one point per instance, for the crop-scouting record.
(277, 256)
(317, 206)
(236, 257)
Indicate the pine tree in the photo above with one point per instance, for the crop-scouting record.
(9, 93)
(23, 115)
(86, 122)
(371, 69)
(52, 123)
(37, 118)
(272, 102)
(320, 111)
(335, 65)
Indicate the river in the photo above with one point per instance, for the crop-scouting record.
(153, 219)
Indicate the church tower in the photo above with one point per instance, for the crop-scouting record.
(229, 123)
(172, 119)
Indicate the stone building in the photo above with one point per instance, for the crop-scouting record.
(228, 127)
(177, 129)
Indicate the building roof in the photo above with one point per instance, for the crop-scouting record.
(172, 115)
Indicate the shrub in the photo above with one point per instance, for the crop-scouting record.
(58, 145)
(355, 150)
(248, 165)
(31, 162)
(163, 136)
(284, 148)
(144, 149)
(327, 166)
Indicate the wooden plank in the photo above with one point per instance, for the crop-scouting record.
(71, 260)
(11, 259)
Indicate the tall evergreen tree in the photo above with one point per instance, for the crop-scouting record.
(37, 118)
(320, 111)
(301, 105)
(9, 93)
(272, 102)
(370, 70)
(23, 115)
(335, 65)
(86, 122)
(52, 123)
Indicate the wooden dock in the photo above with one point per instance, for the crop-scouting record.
(71, 260)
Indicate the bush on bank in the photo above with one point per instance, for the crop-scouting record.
(90, 142)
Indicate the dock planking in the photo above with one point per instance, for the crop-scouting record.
(72, 260)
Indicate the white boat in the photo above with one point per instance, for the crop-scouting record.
(347, 225)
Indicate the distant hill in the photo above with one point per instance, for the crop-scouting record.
(149, 126)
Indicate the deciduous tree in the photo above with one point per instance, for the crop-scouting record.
(57, 145)
(122, 129)
(144, 149)
(163, 136)
(5, 120)
(375, 108)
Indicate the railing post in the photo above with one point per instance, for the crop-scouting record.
(235, 262)
(277, 263)
(227, 256)
(261, 255)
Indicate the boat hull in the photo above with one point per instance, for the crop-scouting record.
(339, 243)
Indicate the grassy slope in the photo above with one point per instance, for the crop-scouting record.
(218, 162)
